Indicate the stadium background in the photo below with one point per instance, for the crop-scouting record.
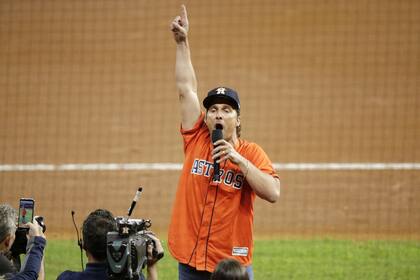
(321, 82)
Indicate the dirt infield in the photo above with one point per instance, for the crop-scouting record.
(93, 82)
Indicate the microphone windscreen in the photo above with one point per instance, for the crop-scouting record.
(216, 134)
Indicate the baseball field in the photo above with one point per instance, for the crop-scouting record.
(329, 89)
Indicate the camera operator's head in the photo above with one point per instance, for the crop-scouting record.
(95, 229)
(8, 217)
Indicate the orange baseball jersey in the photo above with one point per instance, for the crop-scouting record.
(213, 220)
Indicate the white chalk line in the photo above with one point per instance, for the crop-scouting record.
(178, 166)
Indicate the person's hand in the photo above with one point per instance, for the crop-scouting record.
(34, 230)
(152, 259)
(179, 26)
(225, 151)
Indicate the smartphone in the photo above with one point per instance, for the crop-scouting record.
(26, 211)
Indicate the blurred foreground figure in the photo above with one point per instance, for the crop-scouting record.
(229, 269)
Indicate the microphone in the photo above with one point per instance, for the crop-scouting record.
(216, 134)
(133, 203)
(79, 240)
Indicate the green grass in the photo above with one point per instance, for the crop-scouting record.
(289, 259)
(337, 259)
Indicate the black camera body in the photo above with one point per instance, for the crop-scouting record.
(127, 248)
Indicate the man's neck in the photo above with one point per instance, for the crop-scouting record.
(234, 141)
(91, 259)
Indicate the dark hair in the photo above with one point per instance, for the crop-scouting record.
(238, 128)
(229, 269)
(95, 229)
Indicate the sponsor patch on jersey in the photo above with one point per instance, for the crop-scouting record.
(240, 251)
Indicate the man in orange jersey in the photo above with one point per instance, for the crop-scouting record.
(212, 216)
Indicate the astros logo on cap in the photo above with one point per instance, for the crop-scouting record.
(221, 90)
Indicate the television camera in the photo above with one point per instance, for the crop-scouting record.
(127, 247)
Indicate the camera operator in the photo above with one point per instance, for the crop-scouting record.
(33, 267)
(95, 228)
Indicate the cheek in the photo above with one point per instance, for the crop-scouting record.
(232, 125)
(208, 117)
(12, 240)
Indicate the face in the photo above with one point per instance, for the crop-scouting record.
(226, 116)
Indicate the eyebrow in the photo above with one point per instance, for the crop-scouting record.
(223, 106)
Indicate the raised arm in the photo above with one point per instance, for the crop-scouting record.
(184, 72)
(33, 267)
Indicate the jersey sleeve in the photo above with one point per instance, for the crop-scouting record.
(260, 159)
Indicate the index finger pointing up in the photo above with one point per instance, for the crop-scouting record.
(183, 12)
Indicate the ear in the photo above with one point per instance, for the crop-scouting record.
(238, 121)
(8, 241)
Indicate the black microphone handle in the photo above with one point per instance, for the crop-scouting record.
(133, 203)
(216, 174)
(130, 210)
(216, 135)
